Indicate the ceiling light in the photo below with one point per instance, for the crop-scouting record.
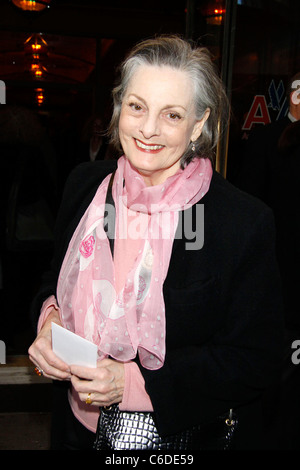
(35, 44)
(32, 5)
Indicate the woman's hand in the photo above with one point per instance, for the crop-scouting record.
(41, 354)
(103, 385)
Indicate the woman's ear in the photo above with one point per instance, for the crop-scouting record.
(199, 126)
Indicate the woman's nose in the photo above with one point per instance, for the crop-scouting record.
(150, 126)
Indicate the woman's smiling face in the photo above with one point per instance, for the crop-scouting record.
(158, 121)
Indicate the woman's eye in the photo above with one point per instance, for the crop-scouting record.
(174, 116)
(135, 106)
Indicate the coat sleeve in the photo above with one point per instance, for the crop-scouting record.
(79, 190)
(48, 283)
(233, 367)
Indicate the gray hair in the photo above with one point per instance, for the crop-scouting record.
(177, 53)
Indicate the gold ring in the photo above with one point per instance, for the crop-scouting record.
(38, 371)
(88, 399)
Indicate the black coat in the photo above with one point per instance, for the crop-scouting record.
(223, 305)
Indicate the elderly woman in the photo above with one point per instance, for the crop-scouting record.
(185, 308)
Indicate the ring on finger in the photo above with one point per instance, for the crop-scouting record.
(38, 371)
(88, 399)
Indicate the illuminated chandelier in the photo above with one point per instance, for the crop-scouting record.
(35, 44)
(36, 50)
(40, 96)
(32, 5)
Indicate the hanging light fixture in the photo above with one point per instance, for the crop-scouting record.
(32, 5)
(36, 51)
(35, 44)
(37, 70)
(214, 12)
(39, 96)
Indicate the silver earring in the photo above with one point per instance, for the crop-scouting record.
(193, 147)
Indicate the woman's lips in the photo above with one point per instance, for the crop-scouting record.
(150, 148)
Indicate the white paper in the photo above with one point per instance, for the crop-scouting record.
(73, 349)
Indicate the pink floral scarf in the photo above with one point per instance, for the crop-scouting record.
(131, 321)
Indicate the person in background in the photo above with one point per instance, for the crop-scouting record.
(94, 145)
(184, 305)
(260, 159)
(286, 213)
(268, 172)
